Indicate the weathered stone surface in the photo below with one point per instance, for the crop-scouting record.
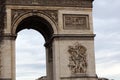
(2, 26)
(76, 21)
(2, 16)
(63, 3)
(17, 13)
(62, 23)
(77, 58)
(5, 79)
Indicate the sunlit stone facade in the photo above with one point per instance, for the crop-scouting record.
(67, 27)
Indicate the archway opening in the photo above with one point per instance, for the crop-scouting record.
(44, 27)
(30, 55)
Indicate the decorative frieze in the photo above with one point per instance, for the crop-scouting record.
(76, 21)
(17, 13)
(77, 58)
(63, 3)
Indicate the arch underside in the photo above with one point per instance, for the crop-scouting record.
(37, 23)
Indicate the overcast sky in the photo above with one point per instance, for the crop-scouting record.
(30, 57)
(106, 18)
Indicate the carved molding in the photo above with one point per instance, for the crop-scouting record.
(80, 76)
(17, 13)
(7, 36)
(5, 79)
(77, 58)
(63, 3)
(76, 21)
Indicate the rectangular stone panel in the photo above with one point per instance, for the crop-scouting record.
(76, 21)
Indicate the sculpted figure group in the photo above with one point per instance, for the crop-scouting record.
(77, 59)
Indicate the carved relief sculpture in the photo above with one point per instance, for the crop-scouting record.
(77, 58)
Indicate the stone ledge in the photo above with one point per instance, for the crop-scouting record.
(85, 76)
(74, 36)
(8, 36)
(5, 79)
(70, 37)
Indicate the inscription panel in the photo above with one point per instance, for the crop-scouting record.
(70, 3)
(76, 21)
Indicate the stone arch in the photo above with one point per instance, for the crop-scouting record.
(65, 23)
(43, 24)
(42, 17)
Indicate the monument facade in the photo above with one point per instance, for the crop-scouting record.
(67, 28)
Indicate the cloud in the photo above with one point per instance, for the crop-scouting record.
(30, 57)
(106, 26)
(106, 9)
(107, 42)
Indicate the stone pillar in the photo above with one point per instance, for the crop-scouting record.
(7, 57)
(49, 61)
(73, 57)
(73, 46)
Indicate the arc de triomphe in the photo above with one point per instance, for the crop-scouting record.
(67, 28)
